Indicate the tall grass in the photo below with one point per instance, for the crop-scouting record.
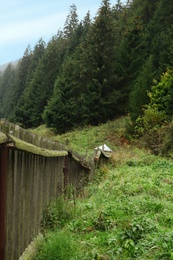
(84, 140)
(58, 245)
(125, 213)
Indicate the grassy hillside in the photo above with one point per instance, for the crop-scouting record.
(84, 140)
(125, 213)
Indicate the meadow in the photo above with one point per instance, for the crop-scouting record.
(126, 212)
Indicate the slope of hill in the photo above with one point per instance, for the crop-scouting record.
(4, 66)
(124, 213)
(84, 140)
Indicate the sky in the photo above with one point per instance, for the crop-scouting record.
(24, 22)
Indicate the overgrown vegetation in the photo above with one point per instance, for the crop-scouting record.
(124, 213)
(84, 139)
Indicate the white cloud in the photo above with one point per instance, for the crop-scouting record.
(23, 22)
(29, 29)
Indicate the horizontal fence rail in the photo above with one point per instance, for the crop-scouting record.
(30, 177)
(27, 136)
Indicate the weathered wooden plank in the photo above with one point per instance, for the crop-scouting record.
(3, 193)
(35, 177)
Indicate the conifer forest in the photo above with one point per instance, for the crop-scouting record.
(95, 70)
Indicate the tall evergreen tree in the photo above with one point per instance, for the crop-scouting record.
(156, 42)
(162, 36)
(19, 83)
(86, 91)
(36, 55)
(88, 71)
(73, 30)
(98, 69)
(86, 23)
(63, 111)
(39, 89)
(6, 87)
(71, 22)
(138, 96)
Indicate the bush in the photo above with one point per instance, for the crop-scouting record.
(161, 95)
(150, 121)
(167, 133)
(158, 139)
(148, 127)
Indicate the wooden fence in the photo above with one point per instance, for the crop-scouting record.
(30, 177)
(27, 136)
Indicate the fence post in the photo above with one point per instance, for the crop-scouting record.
(66, 175)
(3, 189)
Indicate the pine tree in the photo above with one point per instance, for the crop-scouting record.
(85, 91)
(154, 49)
(98, 69)
(6, 87)
(71, 22)
(162, 36)
(40, 88)
(63, 111)
(19, 83)
(138, 96)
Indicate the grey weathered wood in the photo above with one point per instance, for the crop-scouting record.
(33, 181)
(35, 177)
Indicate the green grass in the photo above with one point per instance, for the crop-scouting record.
(58, 245)
(84, 140)
(126, 212)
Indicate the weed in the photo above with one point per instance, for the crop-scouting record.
(57, 214)
(103, 222)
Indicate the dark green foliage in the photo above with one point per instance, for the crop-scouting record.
(138, 96)
(62, 110)
(6, 87)
(156, 49)
(161, 94)
(92, 71)
(87, 90)
(28, 96)
(162, 36)
(39, 89)
(155, 125)
(103, 96)
(71, 23)
(18, 85)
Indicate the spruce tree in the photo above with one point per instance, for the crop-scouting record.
(86, 91)
(98, 69)
(40, 87)
(6, 87)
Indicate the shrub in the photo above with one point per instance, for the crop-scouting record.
(150, 121)
(167, 133)
(161, 95)
(149, 128)
(159, 139)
